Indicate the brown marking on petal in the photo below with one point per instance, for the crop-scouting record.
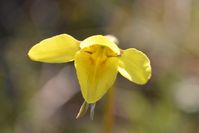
(89, 52)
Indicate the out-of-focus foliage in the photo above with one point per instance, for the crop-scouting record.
(37, 97)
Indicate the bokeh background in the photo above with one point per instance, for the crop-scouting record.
(45, 98)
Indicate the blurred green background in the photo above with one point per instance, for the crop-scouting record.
(45, 98)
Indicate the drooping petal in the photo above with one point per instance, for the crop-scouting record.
(57, 49)
(135, 66)
(100, 40)
(95, 76)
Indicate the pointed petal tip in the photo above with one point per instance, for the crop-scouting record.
(92, 111)
(83, 110)
(78, 116)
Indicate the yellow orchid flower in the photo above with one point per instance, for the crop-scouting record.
(97, 61)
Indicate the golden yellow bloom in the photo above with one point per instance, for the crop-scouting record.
(97, 61)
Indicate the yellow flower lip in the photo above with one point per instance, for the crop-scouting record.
(100, 40)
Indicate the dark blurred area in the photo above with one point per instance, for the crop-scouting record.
(45, 98)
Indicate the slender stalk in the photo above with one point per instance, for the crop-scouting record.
(109, 109)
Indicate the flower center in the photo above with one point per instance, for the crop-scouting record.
(99, 54)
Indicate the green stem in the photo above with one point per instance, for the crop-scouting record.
(109, 109)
